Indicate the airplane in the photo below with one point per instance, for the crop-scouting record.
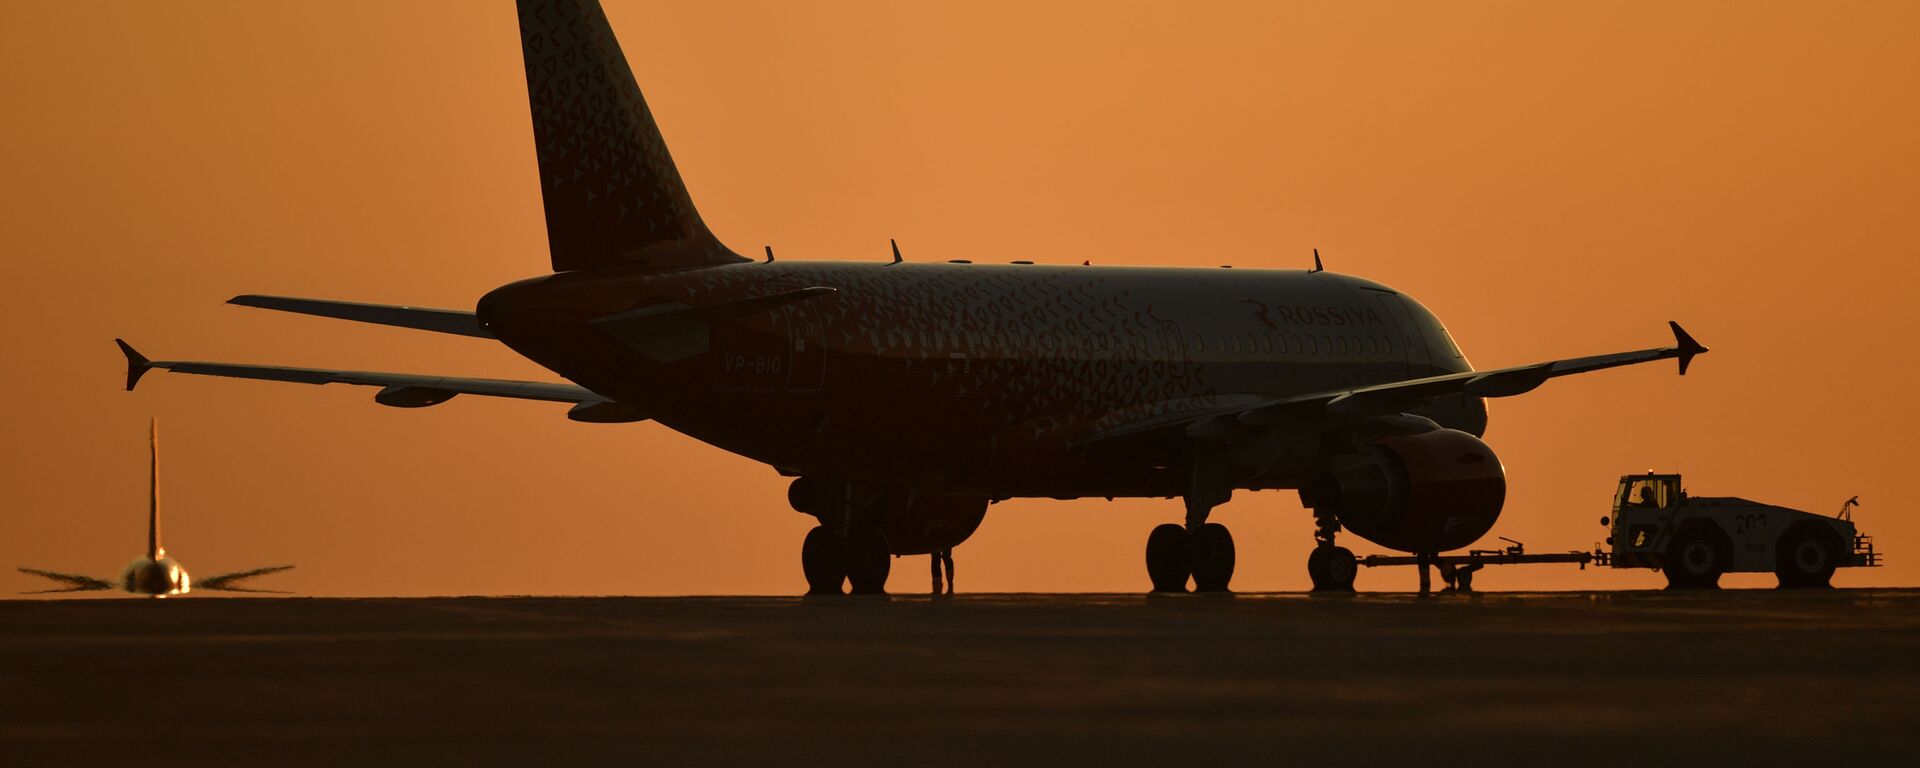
(153, 574)
(904, 398)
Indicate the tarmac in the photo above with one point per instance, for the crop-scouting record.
(1750, 677)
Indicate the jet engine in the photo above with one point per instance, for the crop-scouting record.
(1426, 492)
(918, 523)
(915, 523)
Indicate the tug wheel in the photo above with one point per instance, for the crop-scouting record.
(1695, 559)
(1806, 556)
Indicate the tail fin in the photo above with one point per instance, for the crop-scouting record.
(613, 197)
(154, 550)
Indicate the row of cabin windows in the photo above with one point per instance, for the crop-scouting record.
(1266, 344)
(1297, 344)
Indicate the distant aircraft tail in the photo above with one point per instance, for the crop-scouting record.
(154, 550)
(613, 197)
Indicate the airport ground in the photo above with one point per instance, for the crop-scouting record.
(1735, 677)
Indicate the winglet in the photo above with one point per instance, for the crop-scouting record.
(1687, 346)
(137, 364)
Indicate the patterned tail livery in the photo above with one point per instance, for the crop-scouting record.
(613, 197)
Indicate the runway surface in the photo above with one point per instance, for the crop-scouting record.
(1759, 677)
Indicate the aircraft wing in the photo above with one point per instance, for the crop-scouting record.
(401, 390)
(73, 582)
(1381, 400)
(454, 321)
(230, 582)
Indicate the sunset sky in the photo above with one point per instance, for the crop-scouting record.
(1552, 179)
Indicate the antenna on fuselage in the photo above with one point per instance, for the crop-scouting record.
(769, 254)
(1316, 263)
(896, 250)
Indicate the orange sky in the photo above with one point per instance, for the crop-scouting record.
(1552, 179)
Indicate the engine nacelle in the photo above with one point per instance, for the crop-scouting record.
(918, 523)
(914, 523)
(1428, 492)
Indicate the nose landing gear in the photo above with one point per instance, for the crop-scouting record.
(1332, 568)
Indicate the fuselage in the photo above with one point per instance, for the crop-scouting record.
(160, 576)
(973, 378)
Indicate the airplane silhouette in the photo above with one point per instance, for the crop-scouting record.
(904, 397)
(154, 574)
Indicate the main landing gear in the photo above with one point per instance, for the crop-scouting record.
(1199, 550)
(854, 557)
(1331, 567)
(847, 549)
(1175, 553)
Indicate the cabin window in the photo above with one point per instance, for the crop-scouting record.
(1266, 343)
(1199, 344)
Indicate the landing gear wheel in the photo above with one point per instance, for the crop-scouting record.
(868, 562)
(1806, 558)
(1332, 569)
(1169, 558)
(1212, 558)
(823, 558)
(1694, 561)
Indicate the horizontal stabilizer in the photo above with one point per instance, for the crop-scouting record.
(457, 322)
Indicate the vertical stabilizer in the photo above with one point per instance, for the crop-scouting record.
(613, 196)
(154, 551)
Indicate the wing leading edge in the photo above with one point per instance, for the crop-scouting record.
(230, 582)
(1392, 397)
(73, 582)
(400, 390)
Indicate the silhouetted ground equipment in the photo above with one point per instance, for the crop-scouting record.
(1694, 540)
(1456, 571)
